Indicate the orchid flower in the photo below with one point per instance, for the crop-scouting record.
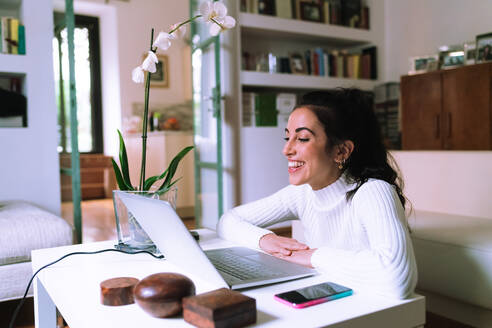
(149, 62)
(216, 13)
(227, 23)
(138, 75)
(163, 40)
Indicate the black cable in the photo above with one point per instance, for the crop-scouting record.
(17, 309)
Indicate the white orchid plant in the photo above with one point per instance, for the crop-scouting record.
(215, 14)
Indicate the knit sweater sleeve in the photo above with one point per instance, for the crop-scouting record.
(388, 266)
(246, 224)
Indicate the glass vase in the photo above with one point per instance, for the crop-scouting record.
(131, 236)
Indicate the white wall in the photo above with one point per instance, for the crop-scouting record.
(442, 181)
(420, 27)
(125, 36)
(29, 168)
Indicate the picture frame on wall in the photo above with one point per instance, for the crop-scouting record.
(160, 79)
(422, 64)
(470, 52)
(483, 48)
(297, 63)
(311, 11)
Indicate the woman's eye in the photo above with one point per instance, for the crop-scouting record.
(303, 139)
(286, 138)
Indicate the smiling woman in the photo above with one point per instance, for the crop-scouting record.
(344, 192)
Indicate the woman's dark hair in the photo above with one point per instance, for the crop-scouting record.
(347, 114)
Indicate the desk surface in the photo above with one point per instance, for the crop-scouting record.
(73, 286)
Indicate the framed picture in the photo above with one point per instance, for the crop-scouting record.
(470, 53)
(299, 5)
(310, 11)
(160, 79)
(451, 56)
(423, 64)
(483, 47)
(297, 63)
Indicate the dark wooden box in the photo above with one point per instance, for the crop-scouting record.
(219, 308)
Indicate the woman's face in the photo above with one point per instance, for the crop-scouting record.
(305, 149)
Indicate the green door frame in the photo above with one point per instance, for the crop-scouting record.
(74, 171)
(216, 104)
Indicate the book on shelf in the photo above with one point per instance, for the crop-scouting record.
(248, 108)
(12, 36)
(283, 9)
(265, 109)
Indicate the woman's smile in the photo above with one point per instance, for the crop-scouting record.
(309, 161)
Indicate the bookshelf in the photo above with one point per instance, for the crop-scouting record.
(281, 81)
(253, 159)
(294, 30)
(30, 157)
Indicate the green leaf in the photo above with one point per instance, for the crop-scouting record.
(124, 161)
(171, 170)
(119, 179)
(163, 190)
(150, 181)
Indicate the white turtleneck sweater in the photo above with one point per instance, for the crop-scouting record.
(362, 243)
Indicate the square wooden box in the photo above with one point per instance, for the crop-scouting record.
(219, 308)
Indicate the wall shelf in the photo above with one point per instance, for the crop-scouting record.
(14, 63)
(297, 30)
(292, 81)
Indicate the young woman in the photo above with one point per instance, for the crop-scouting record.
(344, 192)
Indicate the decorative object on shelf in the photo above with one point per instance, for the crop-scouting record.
(310, 11)
(220, 308)
(483, 47)
(422, 64)
(215, 14)
(131, 235)
(297, 63)
(161, 294)
(470, 52)
(118, 291)
(451, 56)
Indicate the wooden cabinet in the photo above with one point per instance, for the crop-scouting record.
(447, 109)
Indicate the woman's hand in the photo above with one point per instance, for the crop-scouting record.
(302, 257)
(273, 244)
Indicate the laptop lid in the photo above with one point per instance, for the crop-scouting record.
(173, 239)
(168, 232)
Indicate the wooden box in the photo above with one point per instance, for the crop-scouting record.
(219, 308)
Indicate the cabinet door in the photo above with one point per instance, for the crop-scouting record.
(466, 108)
(421, 111)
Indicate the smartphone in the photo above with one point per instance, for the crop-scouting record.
(312, 295)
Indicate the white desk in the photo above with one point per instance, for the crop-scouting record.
(72, 286)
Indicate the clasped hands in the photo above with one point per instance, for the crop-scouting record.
(287, 249)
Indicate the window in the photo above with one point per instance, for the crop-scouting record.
(87, 80)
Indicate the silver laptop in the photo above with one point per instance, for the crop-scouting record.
(235, 267)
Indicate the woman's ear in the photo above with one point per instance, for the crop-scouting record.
(345, 149)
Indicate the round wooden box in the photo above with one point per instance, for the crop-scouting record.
(161, 294)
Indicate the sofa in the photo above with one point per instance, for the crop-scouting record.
(450, 217)
(451, 222)
(25, 227)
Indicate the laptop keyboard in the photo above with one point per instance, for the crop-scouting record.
(240, 267)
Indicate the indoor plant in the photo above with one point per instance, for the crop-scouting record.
(215, 14)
